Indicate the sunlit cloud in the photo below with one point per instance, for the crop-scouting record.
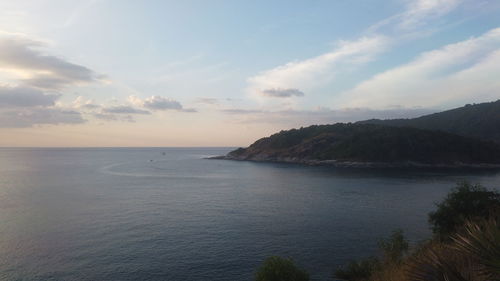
(84, 103)
(23, 56)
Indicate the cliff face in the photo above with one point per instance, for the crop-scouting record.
(370, 145)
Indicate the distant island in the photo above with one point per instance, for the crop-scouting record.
(389, 143)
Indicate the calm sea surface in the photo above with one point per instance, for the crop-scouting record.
(169, 214)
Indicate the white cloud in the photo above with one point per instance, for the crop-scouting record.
(462, 72)
(83, 103)
(310, 73)
(161, 103)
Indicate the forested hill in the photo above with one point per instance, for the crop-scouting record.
(359, 144)
(477, 120)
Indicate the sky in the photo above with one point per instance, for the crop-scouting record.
(106, 73)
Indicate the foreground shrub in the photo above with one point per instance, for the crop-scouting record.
(465, 247)
(481, 241)
(394, 248)
(473, 254)
(465, 202)
(280, 269)
(358, 270)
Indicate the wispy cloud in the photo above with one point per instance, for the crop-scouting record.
(307, 74)
(464, 71)
(417, 14)
(318, 73)
(29, 117)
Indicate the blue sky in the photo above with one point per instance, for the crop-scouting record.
(224, 73)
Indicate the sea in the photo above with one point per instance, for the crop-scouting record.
(171, 214)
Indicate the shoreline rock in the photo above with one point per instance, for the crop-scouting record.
(355, 164)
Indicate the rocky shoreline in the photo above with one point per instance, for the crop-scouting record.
(355, 164)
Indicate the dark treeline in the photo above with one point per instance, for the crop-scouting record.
(473, 120)
(371, 143)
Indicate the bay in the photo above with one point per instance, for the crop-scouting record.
(170, 214)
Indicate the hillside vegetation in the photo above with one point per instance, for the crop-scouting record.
(477, 120)
(465, 246)
(369, 143)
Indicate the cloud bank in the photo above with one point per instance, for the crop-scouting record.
(297, 118)
(39, 116)
(25, 97)
(124, 109)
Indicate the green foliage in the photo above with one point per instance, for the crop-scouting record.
(481, 242)
(464, 203)
(466, 245)
(370, 143)
(473, 254)
(477, 121)
(280, 269)
(358, 270)
(395, 247)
